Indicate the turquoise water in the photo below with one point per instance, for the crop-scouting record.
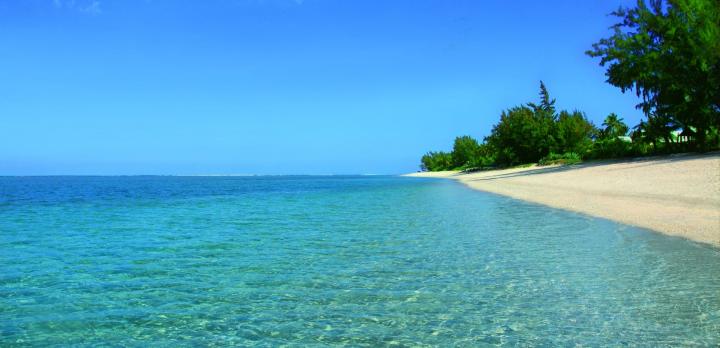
(362, 261)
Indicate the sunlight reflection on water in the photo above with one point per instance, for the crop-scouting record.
(330, 260)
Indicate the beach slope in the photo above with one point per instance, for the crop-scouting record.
(677, 195)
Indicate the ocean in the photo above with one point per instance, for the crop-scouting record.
(334, 260)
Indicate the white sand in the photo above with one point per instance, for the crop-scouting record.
(677, 195)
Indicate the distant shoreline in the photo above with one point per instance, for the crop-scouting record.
(677, 195)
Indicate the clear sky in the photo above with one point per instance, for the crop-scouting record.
(281, 86)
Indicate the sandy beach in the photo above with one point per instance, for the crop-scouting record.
(678, 195)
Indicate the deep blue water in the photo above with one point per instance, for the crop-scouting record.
(373, 261)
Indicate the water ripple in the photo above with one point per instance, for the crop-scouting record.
(358, 261)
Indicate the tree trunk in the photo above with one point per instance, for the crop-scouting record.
(700, 140)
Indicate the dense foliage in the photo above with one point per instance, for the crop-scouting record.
(521, 136)
(465, 149)
(666, 51)
(525, 134)
(436, 161)
(573, 133)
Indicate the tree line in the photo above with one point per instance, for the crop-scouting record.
(667, 52)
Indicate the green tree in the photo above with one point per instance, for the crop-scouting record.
(546, 106)
(609, 144)
(465, 149)
(545, 119)
(436, 161)
(668, 52)
(573, 133)
(520, 137)
(484, 157)
(525, 134)
(613, 127)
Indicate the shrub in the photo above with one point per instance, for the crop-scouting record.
(611, 148)
(565, 158)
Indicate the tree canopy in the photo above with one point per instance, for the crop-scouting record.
(613, 127)
(668, 52)
(465, 149)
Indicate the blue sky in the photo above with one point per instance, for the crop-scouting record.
(281, 86)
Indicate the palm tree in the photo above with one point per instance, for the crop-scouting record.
(614, 127)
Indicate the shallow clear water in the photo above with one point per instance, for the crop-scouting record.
(330, 260)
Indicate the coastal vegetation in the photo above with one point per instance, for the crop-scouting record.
(667, 52)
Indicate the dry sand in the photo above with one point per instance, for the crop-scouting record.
(677, 195)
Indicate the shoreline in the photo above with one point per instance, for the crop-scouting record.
(676, 195)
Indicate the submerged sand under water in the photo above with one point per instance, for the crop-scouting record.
(677, 195)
